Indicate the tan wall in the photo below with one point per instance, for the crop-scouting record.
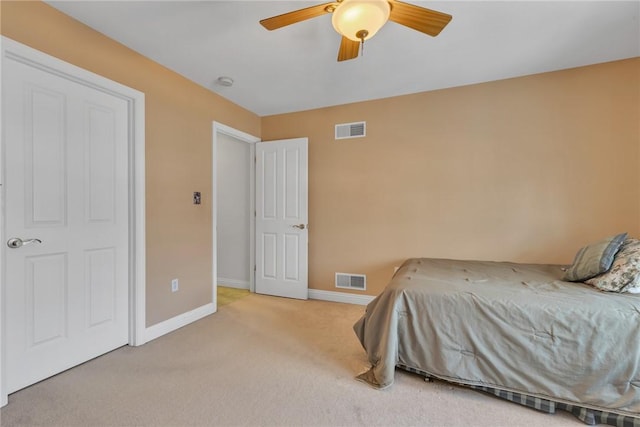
(179, 117)
(526, 169)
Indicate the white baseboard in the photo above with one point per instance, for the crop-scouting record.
(340, 297)
(170, 325)
(184, 319)
(233, 283)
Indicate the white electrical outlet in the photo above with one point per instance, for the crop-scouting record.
(174, 285)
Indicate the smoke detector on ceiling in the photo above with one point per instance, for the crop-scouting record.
(224, 81)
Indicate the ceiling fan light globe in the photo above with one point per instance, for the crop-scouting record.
(353, 16)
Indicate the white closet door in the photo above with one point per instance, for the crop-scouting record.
(66, 185)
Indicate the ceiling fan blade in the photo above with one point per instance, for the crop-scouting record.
(419, 18)
(289, 18)
(348, 49)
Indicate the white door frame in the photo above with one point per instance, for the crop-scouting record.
(218, 129)
(14, 51)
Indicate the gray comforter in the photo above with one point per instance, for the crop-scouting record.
(513, 327)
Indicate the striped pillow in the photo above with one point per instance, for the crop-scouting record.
(594, 259)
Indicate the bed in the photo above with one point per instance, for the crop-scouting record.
(518, 331)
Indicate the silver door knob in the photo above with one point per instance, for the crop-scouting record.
(16, 242)
(299, 226)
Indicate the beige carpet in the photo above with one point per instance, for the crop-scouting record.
(261, 361)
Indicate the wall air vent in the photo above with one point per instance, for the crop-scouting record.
(351, 130)
(351, 281)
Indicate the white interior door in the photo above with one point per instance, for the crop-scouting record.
(66, 184)
(282, 218)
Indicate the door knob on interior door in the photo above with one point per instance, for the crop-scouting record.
(299, 226)
(16, 242)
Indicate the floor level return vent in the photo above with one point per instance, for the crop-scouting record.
(351, 281)
(351, 130)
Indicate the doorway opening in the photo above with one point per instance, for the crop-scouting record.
(233, 166)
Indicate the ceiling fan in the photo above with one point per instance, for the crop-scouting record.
(359, 20)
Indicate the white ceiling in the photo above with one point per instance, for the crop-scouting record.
(295, 68)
